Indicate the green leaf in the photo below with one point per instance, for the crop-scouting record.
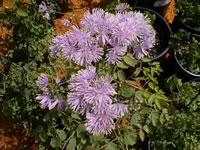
(96, 138)
(135, 118)
(121, 75)
(122, 65)
(72, 144)
(158, 103)
(138, 95)
(111, 146)
(130, 139)
(127, 92)
(146, 128)
(76, 116)
(22, 12)
(162, 118)
(54, 143)
(141, 135)
(61, 134)
(146, 60)
(154, 118)
(130, 61)
(151, 99)
(152, 85)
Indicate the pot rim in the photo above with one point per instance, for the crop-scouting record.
(185, 70)
(167, 27)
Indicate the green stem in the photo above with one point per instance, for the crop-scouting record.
(119, 140)
(68, 140)
(72, 5)
(106, 144)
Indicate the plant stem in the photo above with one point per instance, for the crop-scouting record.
(106, 144)
(187, 106)
(68, 140)
(72, 5)
(119, 140)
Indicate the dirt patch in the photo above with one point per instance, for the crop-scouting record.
(13, 136)
(79, 8)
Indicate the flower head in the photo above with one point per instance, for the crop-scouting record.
(45, 100)
(100, 92)
(115, 54)
(46, 15)
(42, 81)
(57, 103)
(122, 7)
(78, 84)
(99, 24)
(98, 124)
(66, 22)
(42, 7)
(146, 34)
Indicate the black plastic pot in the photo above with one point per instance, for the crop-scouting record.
(190, 29)
(164, 31)
(190, 74)
(179, 24)
(184, 73)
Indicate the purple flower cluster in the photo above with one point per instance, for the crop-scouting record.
(122, 7)
(101, 29)
(46, 99)
(93, 96)
(46, 9)
(77, 45)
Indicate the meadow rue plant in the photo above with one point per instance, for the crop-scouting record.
(93, 90)
(103, 39)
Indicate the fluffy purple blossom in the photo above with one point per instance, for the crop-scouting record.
(100, 92)
(46, 99)
(42, 81)
(58, 104)
(79, 83)
(82, 79)
(122, 7)
(98, 124)
(61, 45)
(146, 34)
(77, 45)
(42, 7)
(46, 9)
(115, 54)
(99, 24)
(77, 103)
(93, 96)
(47, 102)
(66, 22)
(102, 121)
(58, 80)
(46, 15)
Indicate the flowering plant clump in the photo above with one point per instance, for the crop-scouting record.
(86, 82)
(103, 40)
